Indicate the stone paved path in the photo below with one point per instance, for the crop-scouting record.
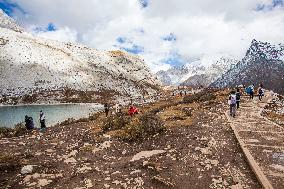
(262, 142)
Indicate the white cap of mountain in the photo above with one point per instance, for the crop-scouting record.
(8, 22)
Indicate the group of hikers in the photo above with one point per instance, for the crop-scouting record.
(29, 123)
(233, 100)
(118, 109)
(180, 93)
(235, 97)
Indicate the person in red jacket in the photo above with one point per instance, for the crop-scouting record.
(132, 110)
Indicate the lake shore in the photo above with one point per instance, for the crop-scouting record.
(55, 113)
(47, 104)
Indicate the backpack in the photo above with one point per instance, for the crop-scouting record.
(248, 90)
(238, 96)
(233, 99)
(262, 90)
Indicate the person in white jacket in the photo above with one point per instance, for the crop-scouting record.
(118, 108)
(42, 120)
(232, 102)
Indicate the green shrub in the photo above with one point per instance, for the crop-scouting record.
(115, 122)
(142, 127)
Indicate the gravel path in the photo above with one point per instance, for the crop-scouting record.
(264, 141)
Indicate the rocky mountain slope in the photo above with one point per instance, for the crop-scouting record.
(9, 23)
(196, 74)
(29, 65)
(263, 63)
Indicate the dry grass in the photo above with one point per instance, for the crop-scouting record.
(202, 96)
(180, 115)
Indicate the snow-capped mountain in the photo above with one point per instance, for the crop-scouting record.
(196, 74)
(263, 63)
(29, 64)
(178, 74)
(9, 23)
(210, 73)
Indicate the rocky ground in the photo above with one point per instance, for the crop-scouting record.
(197, 149)
(275, 109)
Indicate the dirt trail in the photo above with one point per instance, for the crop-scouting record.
(262, 141)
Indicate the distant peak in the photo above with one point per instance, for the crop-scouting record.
(265, 50)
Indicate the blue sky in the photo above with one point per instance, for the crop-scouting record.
(9, 7)
(269, 7)
(163, 32)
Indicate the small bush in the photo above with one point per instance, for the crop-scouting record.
(18, 130)
(152, 124)
(115, 122)
(143, 126)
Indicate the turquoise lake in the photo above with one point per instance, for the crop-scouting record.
(11, 115)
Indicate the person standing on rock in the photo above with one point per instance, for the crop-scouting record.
(238, 98)
(106, 109)
(232, 102)
(42, 120)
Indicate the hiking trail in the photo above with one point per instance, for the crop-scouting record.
(261, 141)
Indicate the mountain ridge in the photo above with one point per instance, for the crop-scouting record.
(8, 22)
(196, 74)
(30, 65)
(262, 64)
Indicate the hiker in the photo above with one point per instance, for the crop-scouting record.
(180, 93)
(238, 98)
(260, 92)
(42, 120)
(232, 102)
(132, 110)
(250, 91)
(106, 109)
(118, 108)
(29, 123)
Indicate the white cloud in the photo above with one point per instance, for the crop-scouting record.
(203, 28)
(62, 34)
